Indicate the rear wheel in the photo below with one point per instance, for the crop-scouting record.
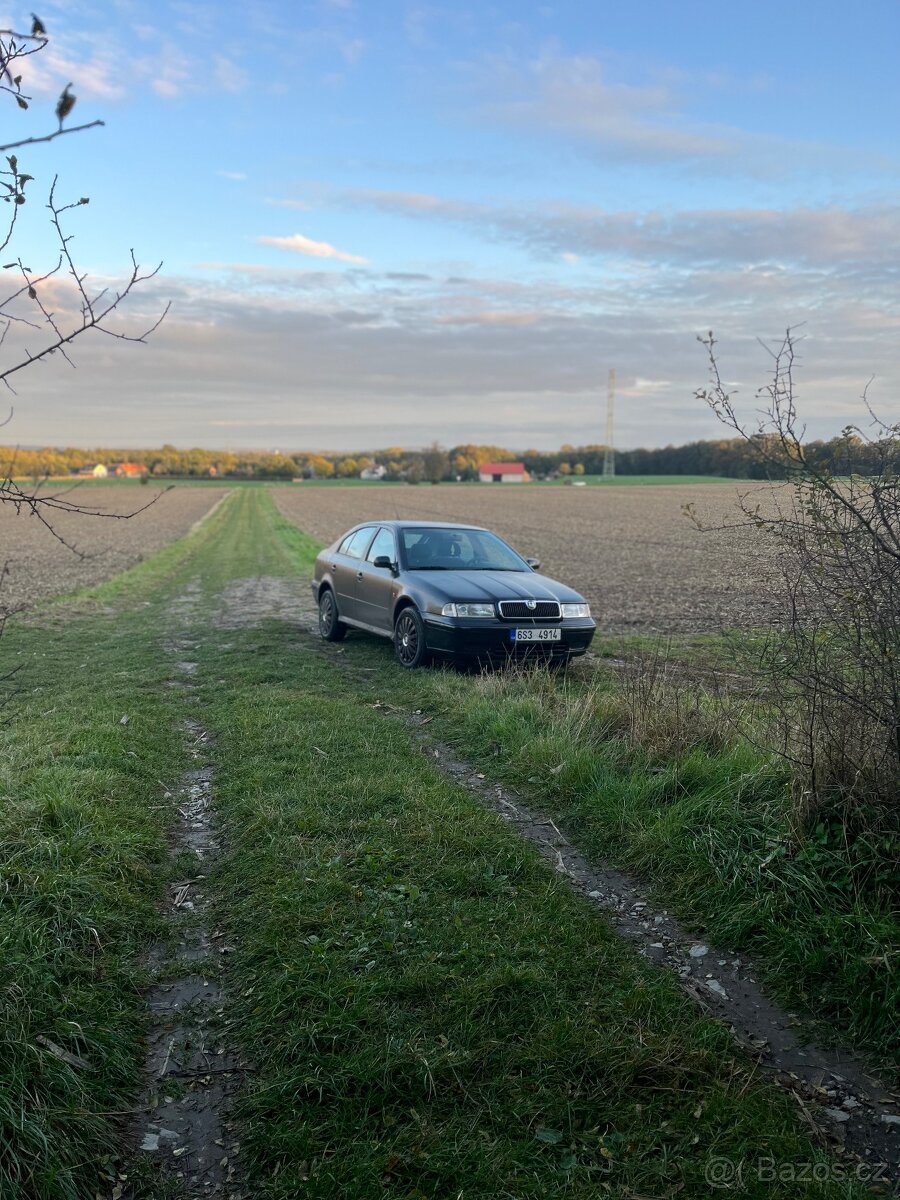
(409, 639)
(331, 627)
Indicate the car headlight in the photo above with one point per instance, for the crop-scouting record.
(576, 610)
(467, 610)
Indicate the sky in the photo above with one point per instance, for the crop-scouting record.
(384, 222)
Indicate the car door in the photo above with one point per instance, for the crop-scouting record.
(376, 586)
(345, 565)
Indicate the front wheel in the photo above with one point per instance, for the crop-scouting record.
(409, 639)
(331, 627)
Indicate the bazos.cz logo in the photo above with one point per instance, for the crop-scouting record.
(729, 1174)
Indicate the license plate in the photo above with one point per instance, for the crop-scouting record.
(535, 635)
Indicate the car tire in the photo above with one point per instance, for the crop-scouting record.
(331, 627)
(409, 639)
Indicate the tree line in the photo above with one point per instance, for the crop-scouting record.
(736, 458)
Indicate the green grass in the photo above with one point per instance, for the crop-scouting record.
(705, 819)
(709, 824)
(82, 861)
(428, 1010)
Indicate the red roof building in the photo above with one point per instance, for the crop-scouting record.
(502, 473)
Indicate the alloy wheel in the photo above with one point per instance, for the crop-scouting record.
(407, 640)
(326, 614)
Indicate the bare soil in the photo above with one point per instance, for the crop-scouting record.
(631, 550)
(40, 566)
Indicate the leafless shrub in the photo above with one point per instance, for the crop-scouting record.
(830, 671)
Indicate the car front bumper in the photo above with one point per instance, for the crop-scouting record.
(481, 638)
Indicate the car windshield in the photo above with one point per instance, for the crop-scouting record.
(458, 550)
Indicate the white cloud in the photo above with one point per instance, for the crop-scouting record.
(592, 101)
(351, 358)
(829, 236)
(491, 318)
(298, 244)
(576, 95)
(95, 73)
(229, 76)
(352, 51)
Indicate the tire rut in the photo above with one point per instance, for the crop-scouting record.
(190, 1072)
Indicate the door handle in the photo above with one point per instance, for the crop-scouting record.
(334, 566)
(359, 575)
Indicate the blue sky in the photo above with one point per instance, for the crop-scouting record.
(384, 223)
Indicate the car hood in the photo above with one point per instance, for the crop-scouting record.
(495, 585)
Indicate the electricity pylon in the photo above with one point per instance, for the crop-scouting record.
(609, 454)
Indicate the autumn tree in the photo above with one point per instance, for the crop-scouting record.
(435, 463)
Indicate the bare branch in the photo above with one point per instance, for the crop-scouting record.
(49, 137)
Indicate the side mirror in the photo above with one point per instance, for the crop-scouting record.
(383, 560)
(534, 563)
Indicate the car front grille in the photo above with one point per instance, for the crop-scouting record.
(519, 610)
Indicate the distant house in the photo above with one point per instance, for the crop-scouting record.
(502, 473)
(375, 472)
(127, 470)
(90, 471)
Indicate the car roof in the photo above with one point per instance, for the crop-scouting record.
(416, 525)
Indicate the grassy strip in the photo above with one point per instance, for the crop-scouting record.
(706, 820)
(82, 863)
(430, 1012)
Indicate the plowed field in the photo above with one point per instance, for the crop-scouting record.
(39, 565)
(632, 551)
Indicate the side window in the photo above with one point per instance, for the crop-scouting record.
(358, 544)
(342, 548)
(383, 544)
